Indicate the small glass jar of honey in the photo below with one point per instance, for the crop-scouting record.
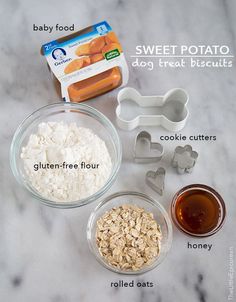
(198, 210)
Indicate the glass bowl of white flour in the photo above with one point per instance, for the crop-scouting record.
(66, 154)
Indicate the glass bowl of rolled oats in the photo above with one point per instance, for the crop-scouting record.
(129, 233)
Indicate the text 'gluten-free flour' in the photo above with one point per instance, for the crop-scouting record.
(64, 162)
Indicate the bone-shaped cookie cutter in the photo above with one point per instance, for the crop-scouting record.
(156, 180)
(169, 111)
(146, 151)
(184, 159)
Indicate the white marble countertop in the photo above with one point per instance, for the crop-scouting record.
(44, 256)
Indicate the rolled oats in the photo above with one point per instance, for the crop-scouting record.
(128, 237)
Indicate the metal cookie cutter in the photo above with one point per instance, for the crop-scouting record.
(184, 159)
(156, 180)
(146, 151)
(169, 111)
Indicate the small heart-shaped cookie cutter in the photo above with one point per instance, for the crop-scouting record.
(156, 180)
(169, 111)
(146, 151)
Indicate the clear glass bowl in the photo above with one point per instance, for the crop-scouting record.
(84, 116)
(199, 189)
(143, 201)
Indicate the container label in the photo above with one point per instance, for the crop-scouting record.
(112, 54)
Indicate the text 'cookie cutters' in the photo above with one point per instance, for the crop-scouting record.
(169, 111)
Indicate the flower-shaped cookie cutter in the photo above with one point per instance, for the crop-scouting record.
(169, 111)
(156, 180)
(184, 159)
(146, 151)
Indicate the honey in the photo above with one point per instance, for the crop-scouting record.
(198, 210)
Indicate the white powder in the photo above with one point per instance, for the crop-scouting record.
(58, 142)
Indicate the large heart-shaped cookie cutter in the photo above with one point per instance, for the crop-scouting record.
(171, 109)
(145, 150)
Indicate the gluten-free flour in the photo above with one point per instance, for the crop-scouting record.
(64, 162)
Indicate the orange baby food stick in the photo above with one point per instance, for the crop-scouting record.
(96, 45)
(111, 46)
(95, 58)
(87, 61)
(83, 50)
(111, 38)
(74, 65)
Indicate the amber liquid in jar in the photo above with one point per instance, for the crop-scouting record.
(197, 211)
